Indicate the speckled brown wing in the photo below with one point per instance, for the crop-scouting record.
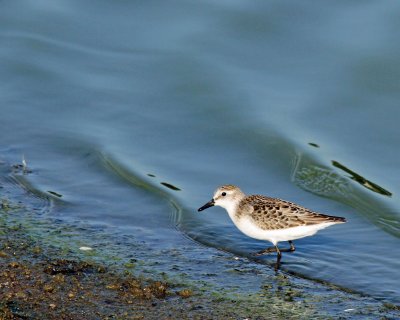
(274, 214)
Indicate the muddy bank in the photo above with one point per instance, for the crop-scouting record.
(39, 279)
(35, 285)
(39, 282)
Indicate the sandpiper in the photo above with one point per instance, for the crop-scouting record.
(270, 219)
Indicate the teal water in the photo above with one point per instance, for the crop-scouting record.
(115, 106)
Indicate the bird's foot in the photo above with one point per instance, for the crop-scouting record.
(265, 251)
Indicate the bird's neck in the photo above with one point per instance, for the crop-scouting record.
(232, 207)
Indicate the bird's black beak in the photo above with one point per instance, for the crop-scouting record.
(207, 205)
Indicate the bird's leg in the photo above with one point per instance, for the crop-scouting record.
(291, 249)
(278, 258)
(274, 249)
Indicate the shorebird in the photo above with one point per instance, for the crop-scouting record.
(271, 219)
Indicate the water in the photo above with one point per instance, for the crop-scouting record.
(113, 106)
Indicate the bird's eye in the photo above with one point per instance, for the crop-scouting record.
(223, 194)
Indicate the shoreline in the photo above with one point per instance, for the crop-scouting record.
(39, 281)
(43, 274)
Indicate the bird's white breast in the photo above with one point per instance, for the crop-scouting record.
(250, 228)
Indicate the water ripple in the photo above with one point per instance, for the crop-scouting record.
(135, 178)
(325, 181)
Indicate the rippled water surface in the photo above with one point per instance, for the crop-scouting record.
(117, 107)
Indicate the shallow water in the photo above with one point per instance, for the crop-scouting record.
(116, 106)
